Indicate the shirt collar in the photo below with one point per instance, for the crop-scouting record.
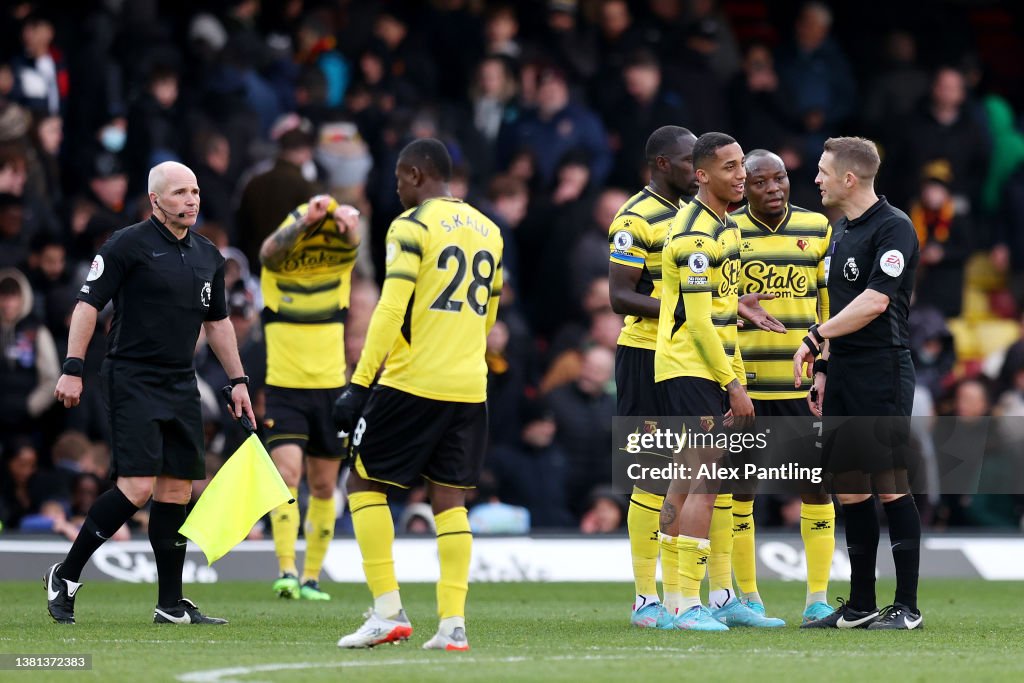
(764, 226)
(864, 217)
(169, 236)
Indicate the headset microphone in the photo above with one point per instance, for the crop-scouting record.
(180, 215)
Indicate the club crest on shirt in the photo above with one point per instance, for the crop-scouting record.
(802, 244)
(851, 271)
(707, 423)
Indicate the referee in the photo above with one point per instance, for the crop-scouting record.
(165, 283)
(870, 277)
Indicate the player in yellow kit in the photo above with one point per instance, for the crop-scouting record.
(635, 240)
(426, 416)
(699, 368)
(784, 250)
(306, 281)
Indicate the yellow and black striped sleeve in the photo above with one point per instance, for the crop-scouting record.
(697, 257)
(823, 302)
(628, 240)
(404, 251)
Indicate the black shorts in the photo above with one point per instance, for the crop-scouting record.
(869, 397)
(874, 382)
(792, 437)
(402, 437)
(303, 417)
(699, 403)
(634, 382)
(156, 423)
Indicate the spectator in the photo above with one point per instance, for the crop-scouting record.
(213, 154)
(569, 42)
(932, 349)
(759, 106)
(317, 48)
(269, 196)
(501, 28)
(13, 240)
(588, 260)
(22, 491)
(531, 472)
(157, 129)
(603, 514)
(940, 129)
(29, 367)
(41, 77)
(583, 413)
(1013, 363)
(645, 106)
(814, 70)
(943, 232)
(1007, 151)
(899, 86)
(556, 127)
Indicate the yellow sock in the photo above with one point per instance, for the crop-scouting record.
(642, 523)
(375, 534)
(670, 572)
(454, 548)
(319, 532)
(744, 559)
(693, 560)
(284, 522)
(720, 560)
(817, 528)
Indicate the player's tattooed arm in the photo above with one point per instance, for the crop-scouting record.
(279, 244)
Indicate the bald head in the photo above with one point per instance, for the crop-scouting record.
(163, 175)
(761, 158)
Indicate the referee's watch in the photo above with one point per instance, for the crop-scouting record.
(244, 379)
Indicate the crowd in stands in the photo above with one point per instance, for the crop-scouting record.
(545, 107)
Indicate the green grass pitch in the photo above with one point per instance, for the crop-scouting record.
(974, 631)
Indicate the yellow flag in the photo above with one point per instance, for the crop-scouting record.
(247, 487)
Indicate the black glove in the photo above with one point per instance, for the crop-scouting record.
(349, 407)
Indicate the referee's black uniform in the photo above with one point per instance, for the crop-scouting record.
(870, 372)
(163, 290)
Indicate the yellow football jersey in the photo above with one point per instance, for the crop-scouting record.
(305, 306)
(700, 285)
(635, 239)
(789, 262)
(434, 335)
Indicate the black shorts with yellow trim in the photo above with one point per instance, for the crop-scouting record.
(402, 437)
(697, 402)
(303, 417)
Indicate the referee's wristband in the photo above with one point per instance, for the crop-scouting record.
(812, 345)
(235, 381)
(73, 367)
(820, 365)
(813, 331)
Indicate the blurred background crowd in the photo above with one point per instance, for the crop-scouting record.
(545, 107)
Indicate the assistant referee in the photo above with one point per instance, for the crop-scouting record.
(165, 283)
(870, 278)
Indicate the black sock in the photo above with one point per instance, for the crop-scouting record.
(905, 538)
(106, 516)
(169, 549)
(862, 532)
